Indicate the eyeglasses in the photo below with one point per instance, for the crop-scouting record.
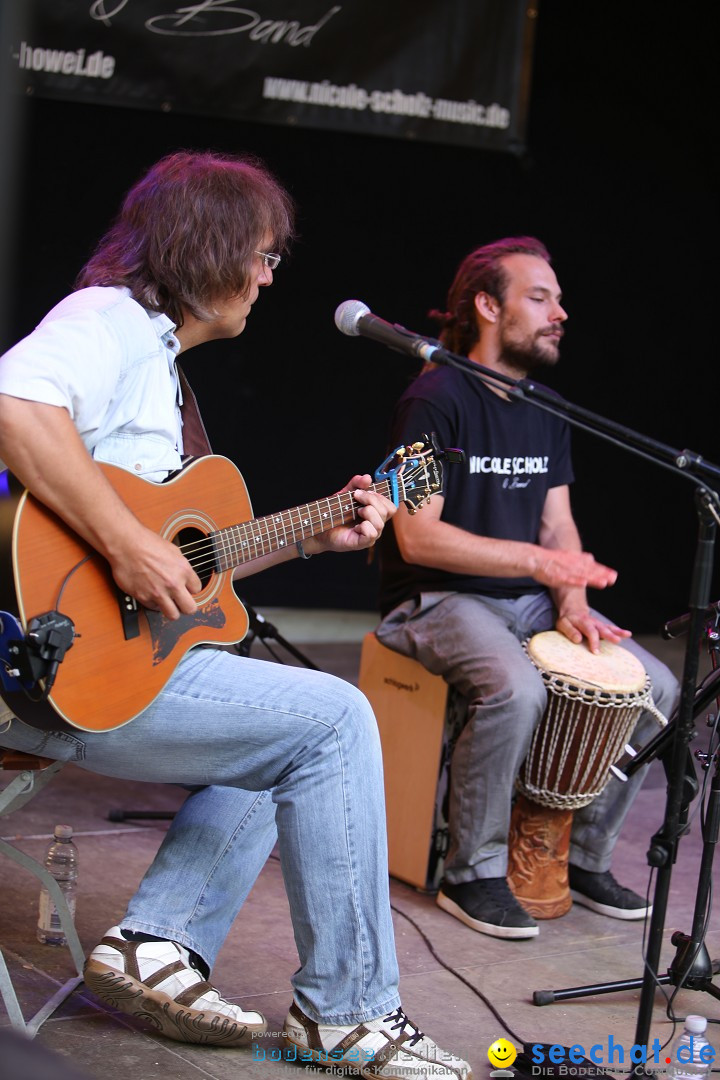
(270, 260)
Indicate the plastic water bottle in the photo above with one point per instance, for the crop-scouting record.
(61, 859)
(691, 1055)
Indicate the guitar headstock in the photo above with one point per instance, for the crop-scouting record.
(415, 471)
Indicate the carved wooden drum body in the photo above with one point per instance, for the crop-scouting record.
(594, 702)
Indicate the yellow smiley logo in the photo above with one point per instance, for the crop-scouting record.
(501, 1054)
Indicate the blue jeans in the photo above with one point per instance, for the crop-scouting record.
(271, 746)
(474, 642)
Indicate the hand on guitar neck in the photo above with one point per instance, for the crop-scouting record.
(161, 578)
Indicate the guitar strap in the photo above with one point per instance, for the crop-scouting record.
(195, 439)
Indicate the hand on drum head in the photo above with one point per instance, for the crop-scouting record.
(558, 567)
(579, 624)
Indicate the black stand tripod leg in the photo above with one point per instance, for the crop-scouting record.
(692, 966)
(670, 832)
(264, 631)
(547, 997)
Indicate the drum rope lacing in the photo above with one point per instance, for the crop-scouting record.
(594, 746)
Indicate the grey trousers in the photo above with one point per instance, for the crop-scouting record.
(474, 642)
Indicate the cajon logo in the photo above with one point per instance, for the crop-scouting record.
(413, 688)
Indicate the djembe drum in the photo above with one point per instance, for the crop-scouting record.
(594, 702)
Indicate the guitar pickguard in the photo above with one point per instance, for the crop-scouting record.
(167, 633)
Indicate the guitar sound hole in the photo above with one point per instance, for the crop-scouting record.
(199, 550)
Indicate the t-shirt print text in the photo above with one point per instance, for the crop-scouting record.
(516, 471)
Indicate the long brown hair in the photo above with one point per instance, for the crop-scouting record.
(187, 231)
(480, 271)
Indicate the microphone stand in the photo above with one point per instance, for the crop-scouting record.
(260, 628)
(691, 466)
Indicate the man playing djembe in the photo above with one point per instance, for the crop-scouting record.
(496, 559)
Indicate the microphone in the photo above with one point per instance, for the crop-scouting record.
(677, 627)
(355, 319)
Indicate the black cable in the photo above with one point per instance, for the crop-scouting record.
(448, 967)
(658, 985)
(461, 978)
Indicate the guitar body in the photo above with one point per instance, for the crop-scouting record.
(107, 677)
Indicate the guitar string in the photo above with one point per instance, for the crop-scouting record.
(383, 487)
(260, 542)
(201, 553)
(205, 554)
(312, 511)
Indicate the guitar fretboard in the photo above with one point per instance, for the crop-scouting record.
(239, 544)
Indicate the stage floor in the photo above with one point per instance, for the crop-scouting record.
(465, 989)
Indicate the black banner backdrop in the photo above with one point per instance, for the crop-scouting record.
(445, 71)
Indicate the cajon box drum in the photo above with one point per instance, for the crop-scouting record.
(419, 719)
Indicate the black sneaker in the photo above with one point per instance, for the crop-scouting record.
(602, 893)
(487, 905)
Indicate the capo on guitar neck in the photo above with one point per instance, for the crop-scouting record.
(414, 472)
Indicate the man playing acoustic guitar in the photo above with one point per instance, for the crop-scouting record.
(270, 751)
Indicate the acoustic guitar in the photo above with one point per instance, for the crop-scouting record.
(120, 655)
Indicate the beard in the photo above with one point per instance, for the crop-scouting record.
(530, 352)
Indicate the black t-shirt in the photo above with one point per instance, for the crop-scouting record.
(514, 453)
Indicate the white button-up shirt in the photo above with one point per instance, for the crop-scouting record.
(111, 364)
